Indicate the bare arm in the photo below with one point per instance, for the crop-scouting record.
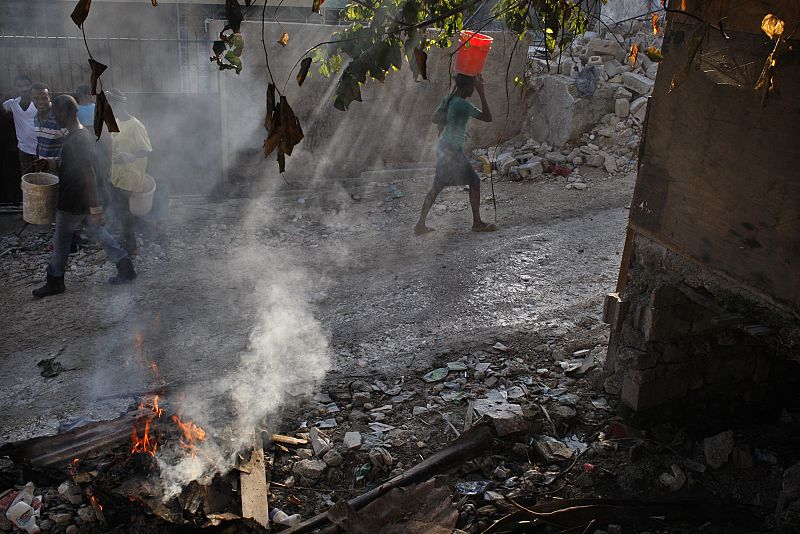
(486, 113)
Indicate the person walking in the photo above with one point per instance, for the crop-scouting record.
(130, 148)
(452, 165)
(24, 111)
(78, 202)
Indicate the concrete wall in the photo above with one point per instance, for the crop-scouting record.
(707, 311)
(390, 127)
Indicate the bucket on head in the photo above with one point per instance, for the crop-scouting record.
(39, 197)
(141, 203)
(472, 52)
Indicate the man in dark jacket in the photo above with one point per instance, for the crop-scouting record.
(78, 202)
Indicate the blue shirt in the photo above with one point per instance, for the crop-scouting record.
(86, 114)
(49, 136)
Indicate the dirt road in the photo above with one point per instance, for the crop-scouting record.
(388, 301)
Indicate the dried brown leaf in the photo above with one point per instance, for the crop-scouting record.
(303, 72)
(633, 55)
(103, 114)
(80, 12)
(97, 69)
(422, 62)
(270, 105)
(772, 26)
(154, 3)
(284, 40)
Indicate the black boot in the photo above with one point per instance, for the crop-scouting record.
(53, 286)
(125, 272)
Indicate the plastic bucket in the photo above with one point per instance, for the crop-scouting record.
(472, 52)
(141, 203)
(39, 197)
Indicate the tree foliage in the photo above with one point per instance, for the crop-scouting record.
(383, 33)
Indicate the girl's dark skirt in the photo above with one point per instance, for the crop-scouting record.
(452, 167)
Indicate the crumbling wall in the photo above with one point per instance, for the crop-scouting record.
(391, 126)
(689, 338)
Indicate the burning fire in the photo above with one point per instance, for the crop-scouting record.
(96, 503)
(191, 433)
(145, 444)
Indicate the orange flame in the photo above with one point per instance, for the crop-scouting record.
(191, 433)
(634, 54)
(145, 444)
(97, 503)
(654, 23)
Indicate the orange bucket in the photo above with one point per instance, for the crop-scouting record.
(472, 52)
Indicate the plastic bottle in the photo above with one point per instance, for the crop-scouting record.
(279, 517)
(23, 516)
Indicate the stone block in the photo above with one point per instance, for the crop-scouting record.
(565, 68)
(556, 158)
(652, 71)
(613, 67)
(531, 169)
(312, 469)
(660, 391)
(604, 47)
(595, 160)
(637, 83)
(505, 162)
(622, 107)
(717, 449)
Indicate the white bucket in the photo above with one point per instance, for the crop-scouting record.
(141, 203)
(39, 197)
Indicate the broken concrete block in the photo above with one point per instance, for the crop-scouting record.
(319, 442)
(595, 160)
(652, 71)
(639, 109)
(610, 165)
(505, 162)
(622, 107)
(717, 449)
(551, 449)
(360, 398)
(310, 468)
(603, 47)
(507, 418)
(556, 158)
(352, 440)
(637, 83)
(612, 67)
(565, 69)
(532, 169)
(70, 492)
(380, 457)
(333, 458)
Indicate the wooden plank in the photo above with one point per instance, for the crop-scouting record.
(253, 484)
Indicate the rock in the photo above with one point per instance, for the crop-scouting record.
(610, 165)
(312, 469)
(72, 529)
(319, 442)
(418, 410)
(561, 413)
(742, 457)
(507, 418)
(44, 526)
(612, 67)
(603, 47)
(305, 454)
(505, 162)
(360, 385)
(790, 489)
(70, 493)
(622, 107)
(86, 513)
(638, 109)
(532, 169)
(482, 367)
(675, 480)
(652, 71)
(551, 449)
(333, 458)
(360, 398)
(637, 83)
(621, 92)
(60, 518)
(717, 449)
(579, 186)
(352, 440)
(380, 457)
(8, 526)
(555, 157)
(520, 450)
(595, 160)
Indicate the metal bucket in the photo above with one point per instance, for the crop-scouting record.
(39, 197)
(141, 203)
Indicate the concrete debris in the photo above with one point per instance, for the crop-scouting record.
(352, 440)
(507, 418)
(639, 84)
(313, 468)
(551, 449)
(380, 457)
(333, 458)
(717, 449)
(675, 480)
(319, 442)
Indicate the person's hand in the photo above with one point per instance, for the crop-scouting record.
(39, 165)
(97, 219)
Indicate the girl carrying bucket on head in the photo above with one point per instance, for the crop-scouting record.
(452, 165)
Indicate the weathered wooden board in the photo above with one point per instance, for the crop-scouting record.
(253, 484)
(719, 173)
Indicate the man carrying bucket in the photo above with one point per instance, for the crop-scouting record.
(78, 202)
(452, 165)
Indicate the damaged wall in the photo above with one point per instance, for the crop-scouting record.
(391, 126)
(709, 294)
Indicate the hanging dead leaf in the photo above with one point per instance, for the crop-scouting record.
(303, 72)
(284, 40)
(655, 24)
(316, 5)
(154, 3)
(270, 105)
(284, 131)
(233, 13)
(80, 12)
(654, 54)
(633, 55)
(422, 62)
(103, 114)
(97, 69)
(773, 26)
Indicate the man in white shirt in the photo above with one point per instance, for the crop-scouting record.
(24, 111)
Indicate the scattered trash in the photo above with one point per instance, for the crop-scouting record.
(436, 375)
(279, 517)
(457, 366)
(475, 487)
(50, 367)
(506, 418)
(388, 390)
(380, 427)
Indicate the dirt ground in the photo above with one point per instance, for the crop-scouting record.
(389, 301)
